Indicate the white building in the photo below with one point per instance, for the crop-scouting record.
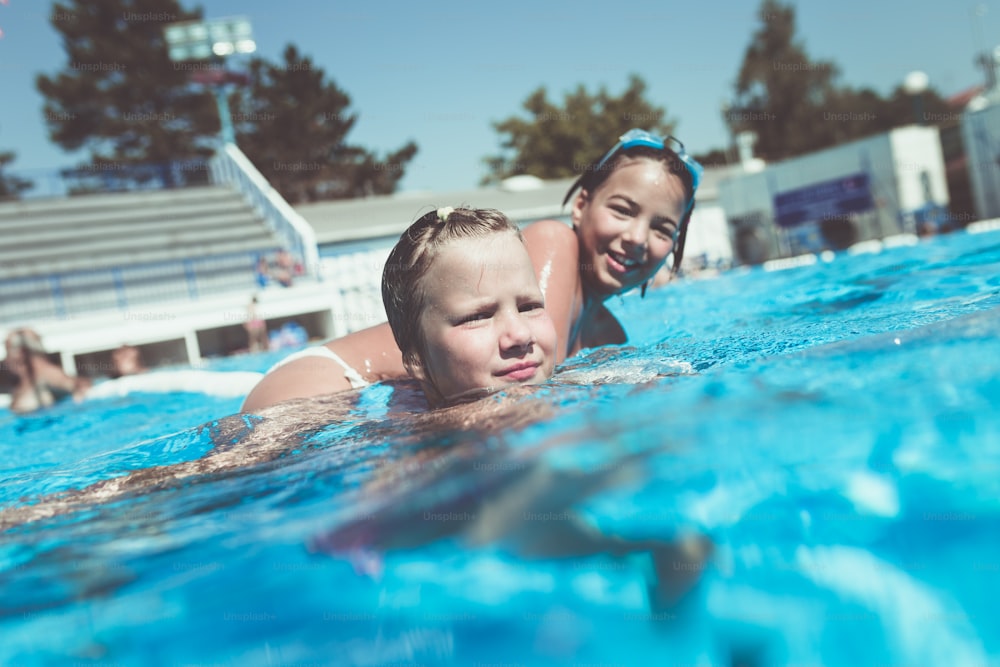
(833, 198)
(981, 135)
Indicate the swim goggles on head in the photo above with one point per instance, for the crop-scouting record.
(636, 137)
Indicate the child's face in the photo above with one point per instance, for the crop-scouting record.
(627, 224)
(484, 325)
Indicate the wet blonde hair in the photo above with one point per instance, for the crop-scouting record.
(412, 257)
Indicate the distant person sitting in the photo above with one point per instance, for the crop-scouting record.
(290, 335)
(262, 273)
(37, 376)
(126, 360)
(284, 268)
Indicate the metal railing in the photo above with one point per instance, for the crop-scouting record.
(231, 167)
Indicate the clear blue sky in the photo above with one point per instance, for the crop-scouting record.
(439, 72)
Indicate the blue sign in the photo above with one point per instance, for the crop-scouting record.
(829, 199)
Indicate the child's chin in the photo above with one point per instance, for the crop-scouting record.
(610, 286)
(538, 378)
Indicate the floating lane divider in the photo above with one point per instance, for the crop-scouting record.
(789, 262)
(871, 247)
(984, 226)
(900, 241)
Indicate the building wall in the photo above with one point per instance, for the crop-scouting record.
(708, 240)
(981, 132)
(898, 164)
(917, 151)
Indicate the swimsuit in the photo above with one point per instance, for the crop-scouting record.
(354, 377)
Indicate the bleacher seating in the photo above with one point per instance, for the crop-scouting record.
(114, 251)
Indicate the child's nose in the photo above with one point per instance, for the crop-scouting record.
(515, 332)
(637, 233)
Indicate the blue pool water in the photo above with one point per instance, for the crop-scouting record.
(836, 437)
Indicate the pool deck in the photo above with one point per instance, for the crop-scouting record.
(184, 332)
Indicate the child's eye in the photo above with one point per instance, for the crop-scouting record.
(476, 317)
(665, 231)
(531, 305)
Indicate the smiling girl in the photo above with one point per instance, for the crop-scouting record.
(630, 215)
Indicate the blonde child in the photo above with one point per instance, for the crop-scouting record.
(630, 215)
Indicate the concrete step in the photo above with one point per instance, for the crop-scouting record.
(169, 283)
(195, 241)
(53, 238)
(100, 258)
(83, 218)
(119, 200)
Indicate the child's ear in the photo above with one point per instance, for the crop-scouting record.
(581, 200)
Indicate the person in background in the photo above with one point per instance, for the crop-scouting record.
(284, 271)
(631, 214)
(126, 360)
(39, 381)
(256, 328)
(262, 272)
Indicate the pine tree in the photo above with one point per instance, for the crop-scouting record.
(780, 91)
(119, 95)
(795, 105)
(292, 123)
(11, 186)
(123, 99)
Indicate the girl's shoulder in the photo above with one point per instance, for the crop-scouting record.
(555, 252)
(550, 232)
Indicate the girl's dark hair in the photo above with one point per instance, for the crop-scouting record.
(412, 257)
(594, 176)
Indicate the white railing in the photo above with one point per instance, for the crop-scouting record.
(231, 167)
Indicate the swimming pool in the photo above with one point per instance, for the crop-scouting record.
(836, 437)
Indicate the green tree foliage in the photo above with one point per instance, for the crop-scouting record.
(794, 103)
(11, 186)
(292, 123)
(123, 99)
(779, 90)
(120, 96)
(559, 141)
(714, 158)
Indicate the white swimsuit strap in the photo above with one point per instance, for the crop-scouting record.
(353, 376)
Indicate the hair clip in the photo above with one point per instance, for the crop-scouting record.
(444, 212)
